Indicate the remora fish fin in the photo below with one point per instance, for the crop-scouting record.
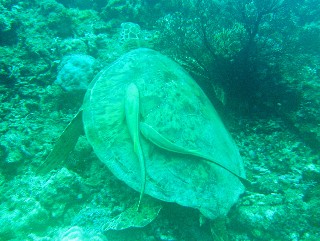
(132, 117)
(159, 140)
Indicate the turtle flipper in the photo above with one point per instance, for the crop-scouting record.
(132, 118)
(64, 145)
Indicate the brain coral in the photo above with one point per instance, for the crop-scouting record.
(76, 71)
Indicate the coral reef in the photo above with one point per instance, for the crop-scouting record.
(76, 72)
(260, 57)
(77, 233)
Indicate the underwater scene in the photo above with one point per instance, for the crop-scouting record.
(144, 120)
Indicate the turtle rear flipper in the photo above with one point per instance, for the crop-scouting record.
(64, 145)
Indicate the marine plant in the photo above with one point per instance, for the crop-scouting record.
(228, 43)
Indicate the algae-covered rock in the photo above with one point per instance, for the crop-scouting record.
(79, 234)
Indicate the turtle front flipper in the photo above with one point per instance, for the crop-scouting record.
(132, 118)
(64, 145)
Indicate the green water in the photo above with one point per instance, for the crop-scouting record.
(257, 62)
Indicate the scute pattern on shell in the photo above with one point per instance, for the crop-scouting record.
(174, 105)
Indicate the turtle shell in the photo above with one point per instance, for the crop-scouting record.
(176, 107)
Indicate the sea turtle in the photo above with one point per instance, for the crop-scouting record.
(156, 130)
